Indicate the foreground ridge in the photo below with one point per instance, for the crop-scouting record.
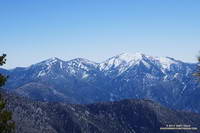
(127, 116)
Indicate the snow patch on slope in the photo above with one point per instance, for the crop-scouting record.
(166, 62)
(47, 65)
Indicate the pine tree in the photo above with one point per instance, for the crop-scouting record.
(198, 69)
(198, 72)
(6, 123)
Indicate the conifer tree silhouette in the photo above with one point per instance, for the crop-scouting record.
(6, 123)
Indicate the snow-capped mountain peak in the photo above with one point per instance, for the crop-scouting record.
(123, 61)
(127, 57)
(46, 66)
(50, 61)
(80, 67)
(81, 63)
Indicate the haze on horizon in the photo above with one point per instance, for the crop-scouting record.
(32, 31)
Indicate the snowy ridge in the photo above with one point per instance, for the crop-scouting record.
(166, 62)
(80, 67)
(124, 61)
(81, 63)
(46, 66)
(117, 64)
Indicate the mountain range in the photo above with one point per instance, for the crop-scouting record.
(165, 80)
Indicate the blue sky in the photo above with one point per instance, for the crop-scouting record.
(34, 30)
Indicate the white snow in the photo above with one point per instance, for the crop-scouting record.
(149, 76)
(85, 75)
(41, 73)
(177, 75)
(61, 65)
(51, 62)
(117, 64)
(165, 62)
(146, 64)
(185, 86)
(123, 61)
(46, 65)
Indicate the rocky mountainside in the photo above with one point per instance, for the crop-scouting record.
(162, 79)
(127, 116)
